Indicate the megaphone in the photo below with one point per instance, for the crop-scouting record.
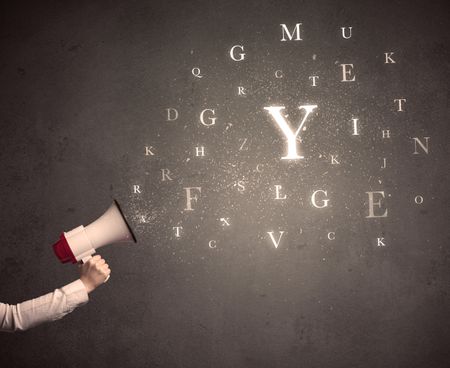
(79, 244)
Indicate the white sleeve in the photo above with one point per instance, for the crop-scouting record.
(49, 307)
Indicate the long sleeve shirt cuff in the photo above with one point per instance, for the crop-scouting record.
(76, 295)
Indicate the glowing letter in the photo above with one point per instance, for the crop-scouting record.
(380, 242)
(388, 59)
(241, 55)
(200, 151)
(171, 111)
(400, 103)
(136, 189)
(278, 74)
(275, 243)
(285, 30)
(334, 161)
(347, 72)
(243, 144)
(325, 201)
(177, 231)
(349, 32)
(190, 198)
(378, 204)
(277, 192)
(355, 126)
(313, 78)
(291, 137)
(148, 151)
(202, 120)
(241, 186)
(424, 146)
(165, 174)
(196, 73)
(225, 220)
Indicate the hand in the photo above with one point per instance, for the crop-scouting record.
(94, 272)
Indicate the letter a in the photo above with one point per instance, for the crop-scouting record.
(291, 137)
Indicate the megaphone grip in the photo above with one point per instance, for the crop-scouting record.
(86, 259)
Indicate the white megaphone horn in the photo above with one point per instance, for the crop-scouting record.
(79, 244)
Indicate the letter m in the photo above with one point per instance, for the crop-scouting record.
(285, 33)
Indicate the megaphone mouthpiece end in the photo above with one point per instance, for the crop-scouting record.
(63, 251)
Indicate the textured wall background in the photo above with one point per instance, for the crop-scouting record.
(84, 88)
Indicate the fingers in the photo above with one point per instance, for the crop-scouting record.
(98, 263)
(93, 260)
(102, 267)
(105, 271)
(97, 260)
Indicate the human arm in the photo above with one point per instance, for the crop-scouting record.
(57, 304)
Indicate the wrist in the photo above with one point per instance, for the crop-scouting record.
(88, 285)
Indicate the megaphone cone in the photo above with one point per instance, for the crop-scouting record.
(80, 243)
